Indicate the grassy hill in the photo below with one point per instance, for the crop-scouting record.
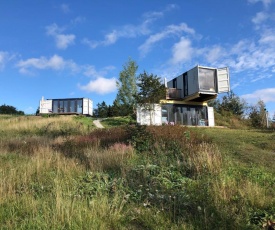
(63, 173)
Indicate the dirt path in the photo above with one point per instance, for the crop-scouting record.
(98, 124)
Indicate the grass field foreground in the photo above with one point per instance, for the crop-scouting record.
(62, 173)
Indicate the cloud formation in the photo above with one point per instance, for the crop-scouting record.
(167, 32)
(62, 40)
(4, 56)
(266, 3)
(182, 51)
(129, 30)
(100, 85)
(55, 63)
(267, 95)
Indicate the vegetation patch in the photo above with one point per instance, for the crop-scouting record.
(56, 173)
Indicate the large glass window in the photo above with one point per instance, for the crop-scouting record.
(79, 106)
(178, 115)
(66, 106)
(184, 114)
(72, 106)
(61, 107)
(55, 106)
(164, 114)
(207, 79)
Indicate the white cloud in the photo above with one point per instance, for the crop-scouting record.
(55, 63)
(4, 56)
(167, 32)
(268, 37)
(62, 40)
(266, 3)
(254, 56)
(101, 86)
(267, 95)
(129, 31)
(260, 17)
(182, 51)
(91, 71)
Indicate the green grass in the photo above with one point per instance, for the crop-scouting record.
(116, 121)
(62, 173)
(249, 147)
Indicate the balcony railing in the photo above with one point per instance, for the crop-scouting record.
(173, 93)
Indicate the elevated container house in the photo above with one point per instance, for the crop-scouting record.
(81, 106)
(199, 84)
(186, 98)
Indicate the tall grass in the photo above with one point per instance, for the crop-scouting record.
(61, 173)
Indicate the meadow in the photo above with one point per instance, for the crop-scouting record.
(61, 172)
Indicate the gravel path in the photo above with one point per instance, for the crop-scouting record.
(98, 124)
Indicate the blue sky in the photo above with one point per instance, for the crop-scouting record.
(65, 49)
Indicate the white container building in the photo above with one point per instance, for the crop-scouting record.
(81, 106)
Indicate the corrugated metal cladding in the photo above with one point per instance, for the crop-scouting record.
(201, 83)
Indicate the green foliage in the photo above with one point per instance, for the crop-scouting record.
(127, 87)
(176, 178)
(150, 89)
(117, 121)
(231, 103)
(258, 116)
(141, 139)
(85, 121)
(8, 109)
(102, 109)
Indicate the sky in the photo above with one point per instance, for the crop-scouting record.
(68, 49)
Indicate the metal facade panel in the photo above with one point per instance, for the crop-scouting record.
(223, 83)
(170, 84)
(180, 84)
(193, 83)
(85, 106)
(149, 117)
(211, 119)
(90, 107)
(45, 106)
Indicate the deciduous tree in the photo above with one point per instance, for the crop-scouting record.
(258, 115)
(150, 92)
(127, 87)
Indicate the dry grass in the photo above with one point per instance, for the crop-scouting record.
(54, 174)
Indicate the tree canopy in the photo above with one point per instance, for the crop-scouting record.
(127, 88)
(150, 89)
(8, 109)
(230, 103)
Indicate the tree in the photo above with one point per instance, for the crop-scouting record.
(258, 115)
(102, 109)
(232, 103)
(8, 109)
(150, 92)
(127, 87)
